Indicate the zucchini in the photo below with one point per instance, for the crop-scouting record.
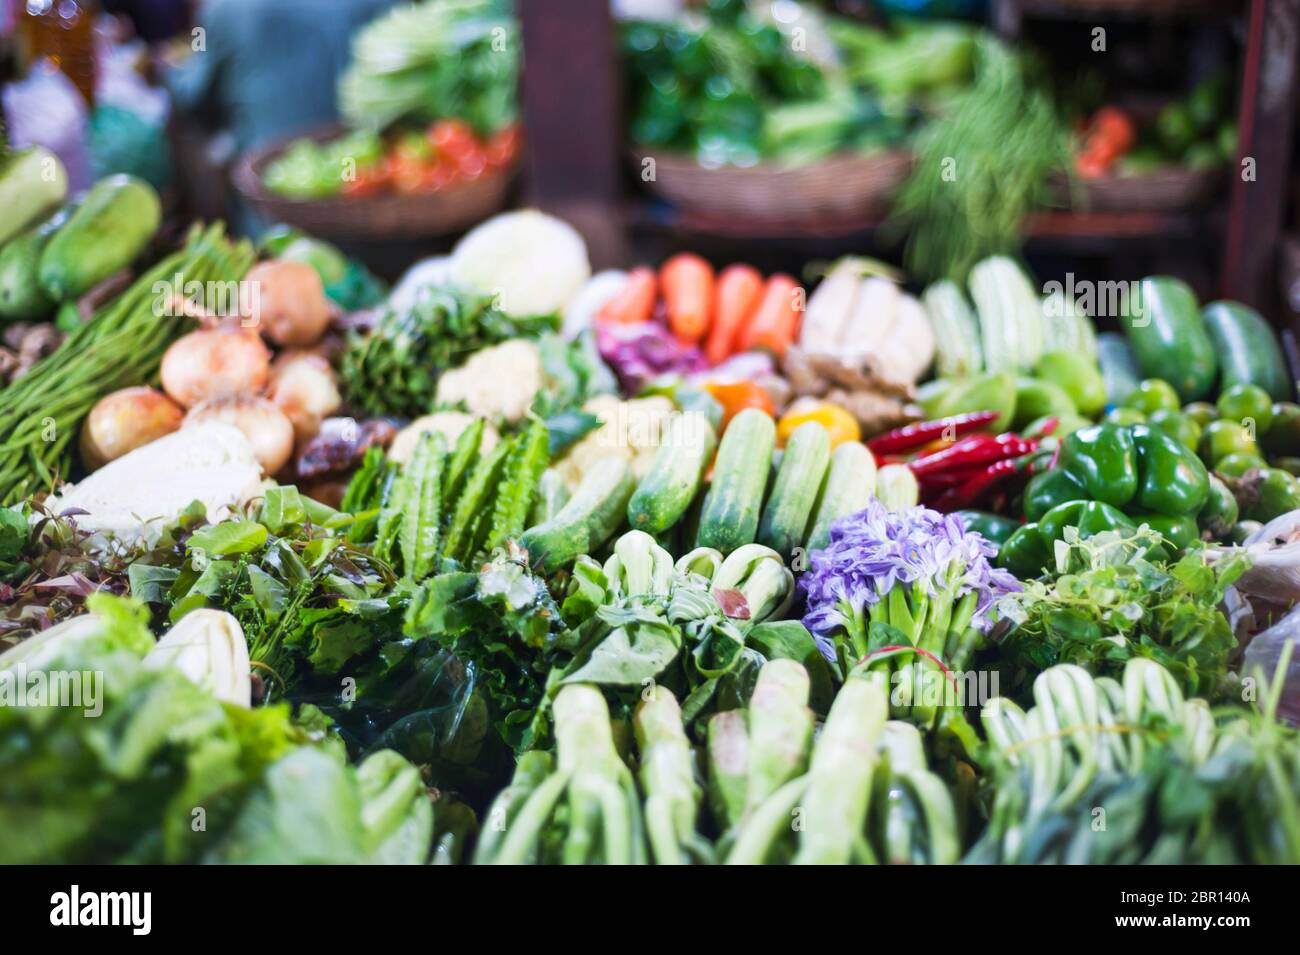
(1247, 348)
(958, 351)
(33, 183)
(1119, 369)
(675, 475)
(1169, 339)
(21, 296)
(110, 228)
(794, 493)
(587, 520)
(734, 503)
(850, 482)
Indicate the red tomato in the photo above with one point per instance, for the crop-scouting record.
(452, 138)
(471, 165)
(438, 176)
(503, 147)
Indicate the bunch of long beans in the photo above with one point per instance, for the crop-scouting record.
(981, 167)
(121, 345)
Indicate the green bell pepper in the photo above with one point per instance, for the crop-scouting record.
(1025, 553)
(1171, 478)
(1045, 491)
(1103, 459)
(1181, 531)
(994, 528)
(1091, 517)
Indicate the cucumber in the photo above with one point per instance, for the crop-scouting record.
(1169, 339)
(587, 520)
(33, 183)
(21, 295)
(794, 493)
(1119, 369)
(675, 475)
(850, 482)
(734, 503)
(1248, 350)
(115, 221)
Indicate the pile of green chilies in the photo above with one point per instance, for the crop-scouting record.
(122, 345)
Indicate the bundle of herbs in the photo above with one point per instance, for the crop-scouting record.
(1108, 602)
(393, 369)
(982, 166)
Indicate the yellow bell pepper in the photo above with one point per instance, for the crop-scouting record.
(841, 425)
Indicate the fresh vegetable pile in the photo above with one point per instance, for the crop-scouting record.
(525, 565)
(429, 104)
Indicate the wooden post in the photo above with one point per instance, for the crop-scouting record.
(572, 106)
(1265, 128)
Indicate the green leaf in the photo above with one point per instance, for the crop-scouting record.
(228, 538)
(282, 508)
(151, 584)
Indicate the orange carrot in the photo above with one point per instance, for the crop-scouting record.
(687, 281)
(775, 323)
(635, 300)
(738, 292)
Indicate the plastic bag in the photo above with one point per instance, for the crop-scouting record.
(46, 109)
(1264, 654)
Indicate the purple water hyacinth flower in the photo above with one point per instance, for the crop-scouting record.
(873, 551)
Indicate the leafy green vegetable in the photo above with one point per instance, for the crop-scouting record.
(1107, 604)
(166, 773)
(981, 167)
(394, 369)
(456, 59)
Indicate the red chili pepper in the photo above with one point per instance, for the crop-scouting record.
(913, 436)
(976, 449)
(970, 490)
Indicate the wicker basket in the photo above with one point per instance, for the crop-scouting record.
(843, 186)
(1164, 190)
(385, 216)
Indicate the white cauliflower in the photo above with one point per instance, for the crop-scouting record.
(497, 383)
(628, 429)
(450, 424)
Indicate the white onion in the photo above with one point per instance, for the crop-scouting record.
(126, 420)
(215, 363)
(303, 387)
(286, 301)
(262, 423)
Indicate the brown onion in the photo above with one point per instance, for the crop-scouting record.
(263, 424)
(286, 301)
(215, 363)
(126, 420)
(303, 387)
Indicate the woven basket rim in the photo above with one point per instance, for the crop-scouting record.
(840, 158)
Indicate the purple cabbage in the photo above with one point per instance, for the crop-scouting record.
(642, 351)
